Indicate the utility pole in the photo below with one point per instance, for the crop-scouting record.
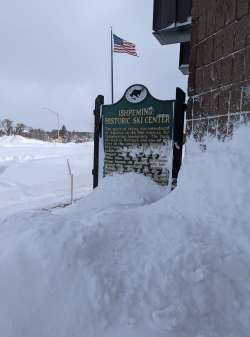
(58, 120)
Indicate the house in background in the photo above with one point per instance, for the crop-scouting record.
(214, 38)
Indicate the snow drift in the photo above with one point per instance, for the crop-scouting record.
(36, 175)
(19, 140)
(130, 261)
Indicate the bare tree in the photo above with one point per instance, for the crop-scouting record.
(1, 129)
(20, 127)
(7, 126)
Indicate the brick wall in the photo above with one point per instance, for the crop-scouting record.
(219, 81)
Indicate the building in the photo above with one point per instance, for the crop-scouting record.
(214, 39)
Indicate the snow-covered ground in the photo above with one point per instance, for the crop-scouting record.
(34, 173)
(128, 260)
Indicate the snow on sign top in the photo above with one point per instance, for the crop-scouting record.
(138, 133)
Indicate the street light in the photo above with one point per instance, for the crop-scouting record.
(58, 119)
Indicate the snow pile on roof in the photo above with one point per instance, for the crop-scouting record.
(127, 261)
(15, 140)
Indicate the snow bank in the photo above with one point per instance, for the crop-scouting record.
(15, 140)
(37, 175)
(130, 261)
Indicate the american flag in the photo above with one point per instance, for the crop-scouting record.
(123, 46)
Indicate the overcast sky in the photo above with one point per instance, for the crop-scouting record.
(56, 54)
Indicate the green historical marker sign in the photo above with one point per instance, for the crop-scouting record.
(138, 135)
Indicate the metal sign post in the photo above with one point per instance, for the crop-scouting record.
(180, 108)
(97, 112)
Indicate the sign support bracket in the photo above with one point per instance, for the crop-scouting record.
(180, 108)
(97, 113)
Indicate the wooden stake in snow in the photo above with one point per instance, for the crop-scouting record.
(71, 182)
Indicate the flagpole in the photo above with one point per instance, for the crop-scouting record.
(112, 66)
